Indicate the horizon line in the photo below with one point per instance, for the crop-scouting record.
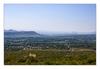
(52, 31)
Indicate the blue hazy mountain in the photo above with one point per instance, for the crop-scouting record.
(10, 30)
(14, 33)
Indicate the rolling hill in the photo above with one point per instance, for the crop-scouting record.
(14, 33)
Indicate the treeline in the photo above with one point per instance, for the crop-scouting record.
(50, 42)
(52, 38)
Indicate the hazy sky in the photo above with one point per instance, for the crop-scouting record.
(50, 17)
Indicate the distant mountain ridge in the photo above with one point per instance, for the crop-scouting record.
(10, 30)
(14, 33)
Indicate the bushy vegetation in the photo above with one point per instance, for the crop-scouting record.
(50, 50)
(50, 57)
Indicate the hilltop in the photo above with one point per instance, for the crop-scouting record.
(14, 33)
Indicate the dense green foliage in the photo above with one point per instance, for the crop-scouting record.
(50, 57)
(50, 42)
(50, 50)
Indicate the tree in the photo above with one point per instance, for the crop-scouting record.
(28, 61)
